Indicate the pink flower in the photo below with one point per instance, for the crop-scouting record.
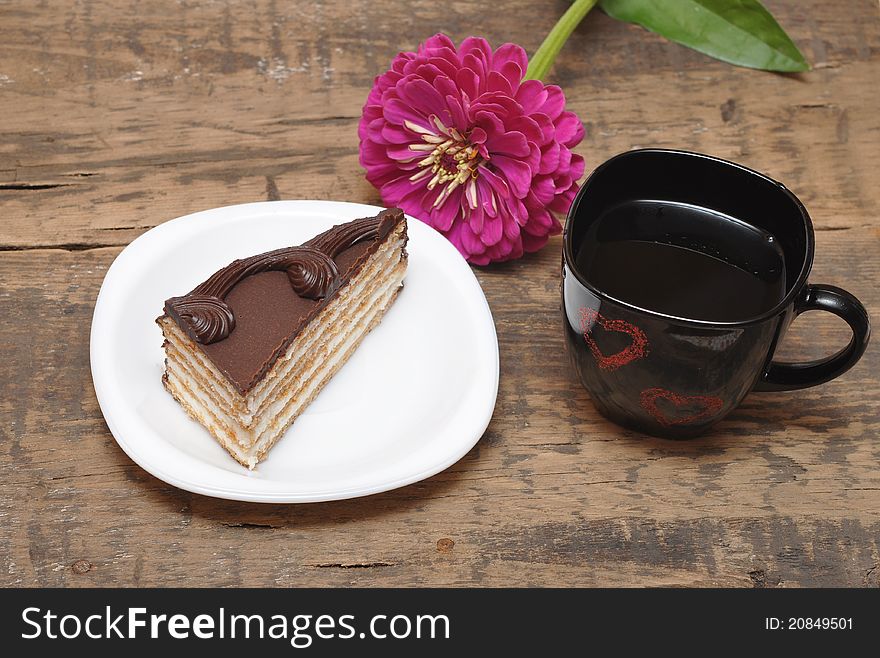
(456, 138)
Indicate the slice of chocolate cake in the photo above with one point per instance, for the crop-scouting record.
(248, 350)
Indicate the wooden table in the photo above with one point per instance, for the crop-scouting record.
(118, 115)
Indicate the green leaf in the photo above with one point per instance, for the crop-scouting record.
(740, 32)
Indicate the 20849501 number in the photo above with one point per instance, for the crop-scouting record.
(808, 623)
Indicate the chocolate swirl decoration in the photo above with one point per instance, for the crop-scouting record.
(312, 272)
(208, 317)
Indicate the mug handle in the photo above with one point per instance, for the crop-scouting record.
(791, 376)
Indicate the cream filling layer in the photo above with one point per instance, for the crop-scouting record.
(246, 435)
(181, 351)
(247, 407)
(248, 447)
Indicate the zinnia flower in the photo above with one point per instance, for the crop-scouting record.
(456, 138)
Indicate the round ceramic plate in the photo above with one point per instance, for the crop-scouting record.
(412, 400)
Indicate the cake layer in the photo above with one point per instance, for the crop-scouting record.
(180, 349)
(249, 448)
(318, 348)
(394, 252)
(245, 316)
(249, 349)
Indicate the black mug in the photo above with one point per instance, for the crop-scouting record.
(675, 370)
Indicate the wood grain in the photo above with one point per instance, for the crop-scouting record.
(120, 115)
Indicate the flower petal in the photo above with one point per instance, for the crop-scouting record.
(459, 118)
(477, 136)
(510, 53)
(372, 153)
(511, 229)
(513, 73)
(532, 243)
(577, 166)
(555, 102)
(518, 211)
(443, 217)
(549, 158)
(493, 230)
(489, 123)
(445, 86)
(498, 184)
(469, 82)
(542, 190)
(403, 153)
(396, 135)
(477, 48)
(512, 143)
(488, 202)
(497, 82)
(530, 128)
(531, 95)
(397, 189)
(475, 220)
(470, 241)
(439, 40)
(545, 126)
(517, 174)
(420, 95)
(397, 112)
(565, 159)
(562, 202)
(569, 129)
(539, 219)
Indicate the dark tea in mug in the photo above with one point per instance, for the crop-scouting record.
(684, 261)
(681, 273)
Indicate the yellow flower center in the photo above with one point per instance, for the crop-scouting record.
(451, 161)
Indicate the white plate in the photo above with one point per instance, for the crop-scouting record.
(414, 398)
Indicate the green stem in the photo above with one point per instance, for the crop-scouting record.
(544, 57)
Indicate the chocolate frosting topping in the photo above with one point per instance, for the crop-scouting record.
(311, 270)
(340, 238)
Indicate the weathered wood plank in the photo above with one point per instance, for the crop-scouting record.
(120, 115)
(551, 485)
(151, 113)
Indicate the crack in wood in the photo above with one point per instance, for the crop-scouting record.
(68, 246)
(351, 565)
(816, 106)
(33, 186)
(826, 227)
(125, 228)
(60, 478)
(319, 120)
(228, 155)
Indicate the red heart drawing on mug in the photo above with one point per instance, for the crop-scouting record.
(635, 350)
(702, 407)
